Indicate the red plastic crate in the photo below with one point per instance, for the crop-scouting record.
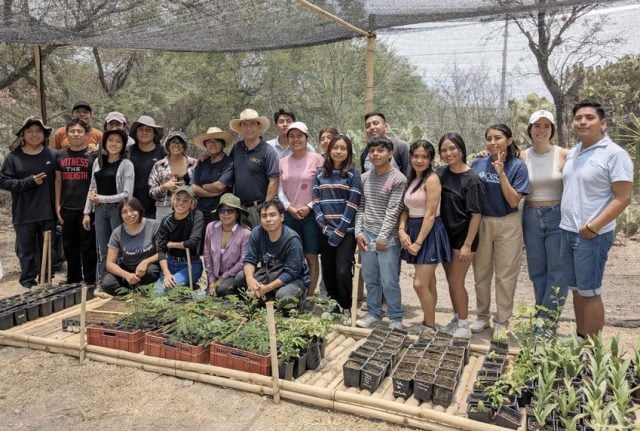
(241, 360)
(158, 345)
(98, 335)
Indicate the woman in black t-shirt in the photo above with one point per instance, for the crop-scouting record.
(460, 209)
(28, 172)
(111, 181)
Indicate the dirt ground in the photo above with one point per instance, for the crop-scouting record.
(50, 391)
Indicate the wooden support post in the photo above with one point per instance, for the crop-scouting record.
(48, 233)
(37, 61)
(83, 319)
(354, 292)
(273, 344)
(44, 260)
(189, 268)
(370, 60)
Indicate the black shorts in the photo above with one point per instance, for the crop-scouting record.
(456, 240)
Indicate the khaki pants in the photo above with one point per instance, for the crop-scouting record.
(499, 251)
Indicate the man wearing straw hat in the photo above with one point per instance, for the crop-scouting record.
(255, 171)
(210, 169)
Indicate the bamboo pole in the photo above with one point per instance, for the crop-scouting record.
(83, 319)
(49, 263)
(43, 261)
(273, 344)
(189, 268)
(37, 60)
(370, 60)
(354, 293)
(333, 17)
(352, 330)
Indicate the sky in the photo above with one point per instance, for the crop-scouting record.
(433, 48)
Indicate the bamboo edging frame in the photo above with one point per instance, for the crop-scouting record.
(363, 405)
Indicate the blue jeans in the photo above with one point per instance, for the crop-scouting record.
(380, 273)
(180, 271)
(541, 231)
(107, 219)
(584, 261)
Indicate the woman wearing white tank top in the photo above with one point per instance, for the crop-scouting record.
(541, 216)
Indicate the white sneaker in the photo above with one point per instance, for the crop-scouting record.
(462, 332)
(451, 327)
(367, 321)
(395, 324)
(479, 326)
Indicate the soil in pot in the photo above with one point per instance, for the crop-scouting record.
(371, 376)
(532, 425)
(351, 372)
(402, 383)
(480, 414)
(404, 366)
(379, 333)
(451, 363)
(452, 374)
(427, 366)
(370, 344)
(436, 348)
(377, 361)
(436, 356)
(365, 351)
(508, 417)
(358, 355)
(411, 359)
(415, 351)
(443, 388)
(440, 342)
(423, 386)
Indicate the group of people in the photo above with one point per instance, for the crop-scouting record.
(146, 213)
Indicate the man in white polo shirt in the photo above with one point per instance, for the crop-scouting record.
(597, 180)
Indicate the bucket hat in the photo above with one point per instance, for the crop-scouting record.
(34, 120)
(230, 200)
(146, 120)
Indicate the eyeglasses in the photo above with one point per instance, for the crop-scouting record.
(226, 210)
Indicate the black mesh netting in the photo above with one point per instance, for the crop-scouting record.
(230, 25)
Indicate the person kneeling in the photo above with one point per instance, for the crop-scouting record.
(180, 231)
(274, 266)
(225, 245)
(132, 258)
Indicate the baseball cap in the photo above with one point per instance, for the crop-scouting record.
(542, 114)
(81, 104)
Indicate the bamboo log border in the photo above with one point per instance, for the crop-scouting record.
(376, 408)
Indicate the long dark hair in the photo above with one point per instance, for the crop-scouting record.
(104, 155)
(456, 140)
(431, 153)
(512, 150)
(347, 165)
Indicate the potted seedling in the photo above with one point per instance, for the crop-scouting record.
(479, 411)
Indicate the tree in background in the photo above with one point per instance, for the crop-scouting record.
(558, 47)
(324, 85)
(520, 113)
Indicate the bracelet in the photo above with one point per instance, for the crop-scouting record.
(588, 226)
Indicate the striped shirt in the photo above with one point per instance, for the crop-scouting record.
(381, 204)
(335, 203)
